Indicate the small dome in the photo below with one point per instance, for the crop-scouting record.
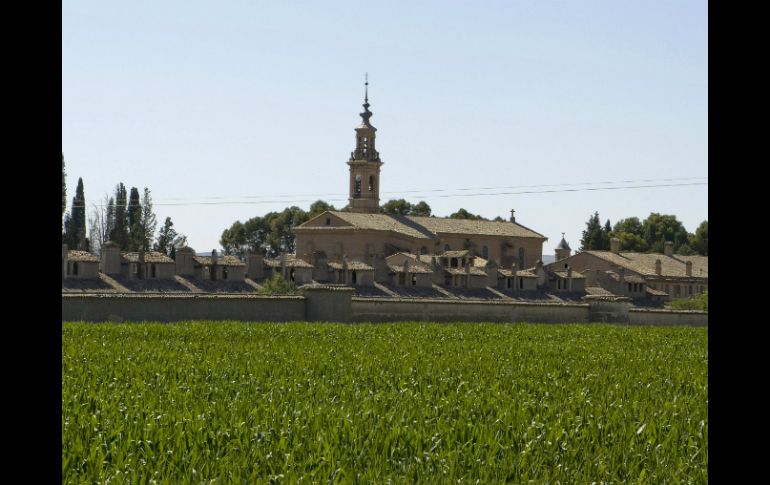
(563, 245)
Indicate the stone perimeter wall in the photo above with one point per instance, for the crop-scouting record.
(337, 305)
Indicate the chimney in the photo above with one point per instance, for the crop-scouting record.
(615, 245)
(658, 269)
(668, 248)
(110, 258)
(513, 217)
(184, 261)
(256, 269)
(622, 274)
(214, 257)
(688, 268)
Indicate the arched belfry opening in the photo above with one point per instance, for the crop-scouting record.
(365, 164)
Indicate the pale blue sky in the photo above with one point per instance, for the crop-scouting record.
(219, 101)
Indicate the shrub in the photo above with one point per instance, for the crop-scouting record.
(278, 286)
(698, 302)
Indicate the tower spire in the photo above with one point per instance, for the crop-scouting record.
(366, 88)
(366, 114)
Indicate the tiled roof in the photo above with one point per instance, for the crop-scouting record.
(563, 274)
(149, 257)
(455, 254)
(598, 290)
(428, 227)
(653, 291)
(221, 261)
(644, 263)
(563, 244)
(413, 268)
(471, 270)
(522, 273)
(627, 278)
(352, 265)
(83, 256)
(291, 261)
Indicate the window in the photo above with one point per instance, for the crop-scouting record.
(152, 271)
(630, 287)
(507, 283)
(453, 263)
(423, 250)
(371, 183)
(328, 221)
(402, 279)
(353, 277)
(566, 265)
(357, 190)
(291, 275)
(485, 252)
(134, 268)
(75, 268)
(521, 282)
(446, 247)
(414, 280)
(690, 290)
(224, 272)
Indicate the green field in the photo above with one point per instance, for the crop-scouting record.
(434, 403)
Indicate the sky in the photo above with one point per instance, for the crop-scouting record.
(229, 110)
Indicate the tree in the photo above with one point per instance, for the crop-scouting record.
(464, 214)
(148, 222)
(396, 207)
(75, 227)
(100, 223)
(420, 209)
(594, 236)
(119, 234)
(699, 241)
(319, 207)
(134, 212)
(169, 240)
(658, 228)
(63, 188)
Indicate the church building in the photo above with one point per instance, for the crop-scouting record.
(363, 234)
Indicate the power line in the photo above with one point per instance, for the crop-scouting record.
(478, 194)
(340, 194)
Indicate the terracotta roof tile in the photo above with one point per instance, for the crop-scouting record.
(427, 227)
(83, 256)
(352, 265)
(644, 263)
(149, 257)
(221, 261)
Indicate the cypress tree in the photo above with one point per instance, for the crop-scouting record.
(75, 228)
(149, 221)
(134, 212)
(119, 234)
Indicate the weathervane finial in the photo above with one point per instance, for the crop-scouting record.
(366, 84)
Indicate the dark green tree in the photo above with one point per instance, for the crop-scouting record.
(396, 207)
(169, 240)
(464, 214)
(75, 228)
(135, 230)
(420, 209)
(63, 187)
(119, 233)
(699, 241)
(593, 235)
(658, 228)
(148, 220)
(319, 207)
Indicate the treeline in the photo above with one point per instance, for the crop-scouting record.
(271, 234)
(127, 218)
(647, 236)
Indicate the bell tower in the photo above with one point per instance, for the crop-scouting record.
(365, 165)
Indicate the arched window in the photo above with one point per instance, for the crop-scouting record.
(485, 252)
(371, 183)
(357, 192)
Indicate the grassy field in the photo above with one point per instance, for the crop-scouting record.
(434, 403)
